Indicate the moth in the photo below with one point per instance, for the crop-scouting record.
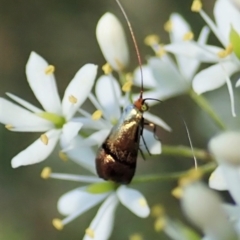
(116, 158)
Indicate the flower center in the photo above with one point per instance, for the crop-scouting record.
(57, 120)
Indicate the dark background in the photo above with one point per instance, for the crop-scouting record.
(63, 32)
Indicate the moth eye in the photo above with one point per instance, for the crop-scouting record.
(144, 107)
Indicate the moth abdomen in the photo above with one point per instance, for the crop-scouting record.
(110, 168)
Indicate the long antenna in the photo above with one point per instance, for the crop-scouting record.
(135, 45)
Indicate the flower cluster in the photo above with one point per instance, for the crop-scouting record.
(175, 69)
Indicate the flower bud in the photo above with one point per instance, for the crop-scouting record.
(203, 207)
(112, 41)
(225, 148)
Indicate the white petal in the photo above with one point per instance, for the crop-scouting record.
(81, 154)
(154, 146)
(108, 93)
(112, 41)
(170, 82)
(225, 147)
(213, 77)
(43, 85)
(226, 15)
(97, 138)
(232, 178)
(24, 103)
(207, 213)
(216, 180)
(134, 201)
(102, 224)
(179, 27)
(78, 200)
(156, 120)
(148, 79)
(89, 123)
(21, 119)
(203, 53)
(238, 83)
(78, 88)
(70, 131)
(37, 151)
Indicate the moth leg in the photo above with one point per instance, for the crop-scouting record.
(145, 144)
(141, 152)
(141, 133)
(153, 126)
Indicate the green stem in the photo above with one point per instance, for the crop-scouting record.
(172, 176)
(183, 151)
(203, 103)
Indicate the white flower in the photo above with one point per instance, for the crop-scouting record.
(227, 58)
(56, 118)
(109, 112)
(162, 75)
(203, 207)
(74, 203)
(225, 148)
(112, 41)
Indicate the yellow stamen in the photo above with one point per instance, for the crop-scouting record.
(63, 156)
(57, 223)
(193, 175)
(9, 126)
(222, 54)
(168, 26)
(142, 202)
(196, 6)
(46, 172)
(177, 192)
(129, 77)
(127, 86)
(49, 69)
(160, 224)
(44, 139)
(136, 236)
(106, 68)
(161, 51)
(90, 232)
(72, 99)
(157, 210)
(97, 115)
(229, 49)
(188, 36)
(151, 40)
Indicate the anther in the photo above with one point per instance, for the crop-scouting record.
(127, 86)
(9, 126)
(44, 139)
(90, 232)
(49, 69)
(57, 223)
(46, 172)
(160, 224)
(97, 115)
(106, 68)
(63, 156)
(157, 211)
(188, 36)
(196, 6)
(161, 51)
(142, 202)
(136, 236)
(72, 99)
(177, 192)
(168, 26)
(151, 40)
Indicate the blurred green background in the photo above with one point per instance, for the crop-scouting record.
(63, 32)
